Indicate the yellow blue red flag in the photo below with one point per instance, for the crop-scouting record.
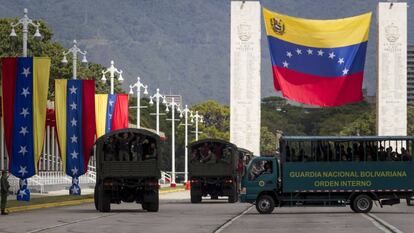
(25, 83)
(318, 62)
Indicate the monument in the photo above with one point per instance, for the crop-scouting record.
(245, 75)
(392, 69)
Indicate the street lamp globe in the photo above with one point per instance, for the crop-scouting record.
(37, 34)
(84, 61)
(120, 78)
(103, 79)
(13, 33)
(64, 60)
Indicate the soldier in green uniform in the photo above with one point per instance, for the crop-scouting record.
(4, 191)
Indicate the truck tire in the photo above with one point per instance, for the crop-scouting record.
(362, 204)
(265, 204)
(409, 201)
(152, 206)
(95, 197)
(233, 198)
(104, 200)
(195, 198)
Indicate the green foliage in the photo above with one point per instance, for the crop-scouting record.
(267, 142)
(216, 120)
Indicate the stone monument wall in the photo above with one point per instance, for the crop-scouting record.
(392, 69)
(245, 75)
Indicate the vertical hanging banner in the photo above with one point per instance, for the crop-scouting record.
(25, 84)
(120, 113)
(111, 113)
(318, 62)
(75, 122)
(101, 102)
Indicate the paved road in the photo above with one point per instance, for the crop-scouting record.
(178, 215)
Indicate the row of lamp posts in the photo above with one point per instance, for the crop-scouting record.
(113, 71)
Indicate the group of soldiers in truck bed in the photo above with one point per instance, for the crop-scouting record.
(127, 147)
(211, 153)
(350, 152)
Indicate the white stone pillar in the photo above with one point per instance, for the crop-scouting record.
(245, 57)
(392, 69)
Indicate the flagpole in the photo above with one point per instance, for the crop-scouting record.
(25, 22)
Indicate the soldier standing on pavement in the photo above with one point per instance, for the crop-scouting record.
(4, 191)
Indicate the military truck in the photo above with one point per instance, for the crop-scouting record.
(332, 171)
(213, 170)
(127, 167)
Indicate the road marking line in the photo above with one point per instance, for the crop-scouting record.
(68, 223)
(230, 221)
(381, 224)
(376, 224)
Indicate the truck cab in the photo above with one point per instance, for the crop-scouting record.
(261, 176)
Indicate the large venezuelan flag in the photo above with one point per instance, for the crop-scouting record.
(111, 113)
(25, 84)
(318, 62)
(75, 122)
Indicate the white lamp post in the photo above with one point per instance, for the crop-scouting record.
(184, 113)
(157, 96)
(112, 71)
(197, 118)
(74, 50)
(173, 105)
(25, 22)
(138, 85)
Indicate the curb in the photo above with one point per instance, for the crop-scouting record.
(68, 203)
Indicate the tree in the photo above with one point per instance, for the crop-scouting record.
(216, 120)
(267, 142)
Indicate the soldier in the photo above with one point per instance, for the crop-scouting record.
(137, 149)
(4, 191)
(110, 149)
(124, 147)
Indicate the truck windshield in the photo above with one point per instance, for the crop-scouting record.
(129, 147)
(260, 167)
(356, 149)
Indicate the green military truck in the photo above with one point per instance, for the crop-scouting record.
(127, 167)
(213, 169)
(332, 171)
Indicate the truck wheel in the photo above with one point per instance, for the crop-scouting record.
(153, 206)
(265, 204)
(95, 197)
(104, 201)
(409, 201)
(195, 198)
(362, 204)
(233, 198)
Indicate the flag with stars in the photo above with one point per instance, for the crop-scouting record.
(25, 84)
(111, 112)
(318, 62)
(75, 122)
